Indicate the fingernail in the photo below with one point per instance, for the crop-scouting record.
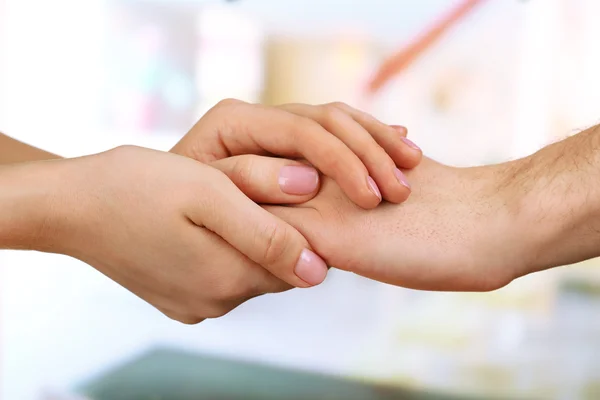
(374, 187)
(311, 268)
(410, 143)
(401, 177)
(298, 179)
(400, 129)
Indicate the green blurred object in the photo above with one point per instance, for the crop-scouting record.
(175, 375)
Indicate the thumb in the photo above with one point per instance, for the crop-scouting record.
(256, 233)
(269, 180)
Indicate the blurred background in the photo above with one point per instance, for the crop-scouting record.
(476, 82)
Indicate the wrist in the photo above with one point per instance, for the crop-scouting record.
(551, 220)
(502, 241)
(521, 238)
(27, 206)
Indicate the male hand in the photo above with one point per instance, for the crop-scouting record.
(457, 232)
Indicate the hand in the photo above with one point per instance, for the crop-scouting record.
(343, 143)
(179, 233)
(457, 232)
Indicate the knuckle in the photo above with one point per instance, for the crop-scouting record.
(333, 163)
(339, 105)
(378, 158)
(205, 202)
(243, 174)
(300, 125)
(330, 114)
(344, 162)
(274, 238)
(299, 131)
(209, 176)
(228, 103)
(371, 152)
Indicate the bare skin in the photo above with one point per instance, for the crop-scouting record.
(469, 229)
(189, 237)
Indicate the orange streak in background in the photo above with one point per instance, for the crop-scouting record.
(406, 56)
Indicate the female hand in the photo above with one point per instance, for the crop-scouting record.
(176, 232)
(359, 152)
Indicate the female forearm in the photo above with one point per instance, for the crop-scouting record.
(12, 151)
(27, 191)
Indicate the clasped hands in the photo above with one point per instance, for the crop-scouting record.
(222, 218)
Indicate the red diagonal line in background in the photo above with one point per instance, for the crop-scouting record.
(399, 61)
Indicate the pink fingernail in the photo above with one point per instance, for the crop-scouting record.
(374, 187)
(410, 143)
(400, 129)
(401, 177)
(298, 179)
(311, 268)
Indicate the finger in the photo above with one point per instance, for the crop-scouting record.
(269, 180)
(244, 278)
(235, 278)
(253, 231)
(305, 220)
(390, 180)
(393, 139)
(401, 130)
(204, 142)
(258, 130)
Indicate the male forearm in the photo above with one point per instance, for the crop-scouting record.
(12, 151)
(558, 200)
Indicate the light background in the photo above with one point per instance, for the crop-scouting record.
(508, 87)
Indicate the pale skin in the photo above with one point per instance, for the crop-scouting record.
(189, 237)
